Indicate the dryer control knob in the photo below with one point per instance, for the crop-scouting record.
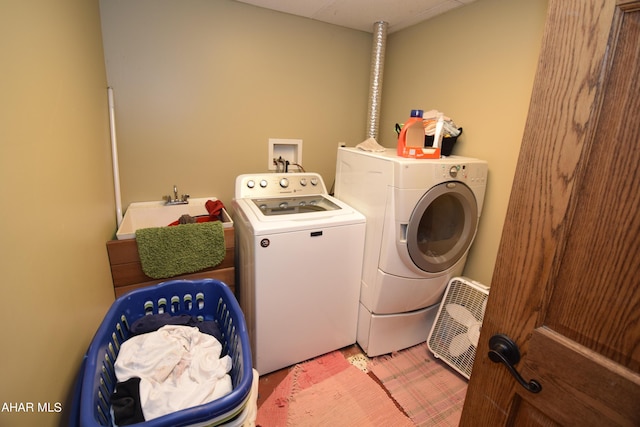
(453, 171)
(263, 183)
(284, 183)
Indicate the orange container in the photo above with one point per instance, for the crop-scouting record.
(411, 139)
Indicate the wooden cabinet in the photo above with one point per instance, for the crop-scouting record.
(127, 273)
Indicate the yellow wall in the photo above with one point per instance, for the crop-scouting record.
(200, 87)
(57, 200)
(476, 64)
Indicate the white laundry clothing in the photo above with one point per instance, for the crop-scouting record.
(370, 144)
(179, 367)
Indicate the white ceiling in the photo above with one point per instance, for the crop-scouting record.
(362, 14)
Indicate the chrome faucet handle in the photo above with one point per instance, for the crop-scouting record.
(175, 200)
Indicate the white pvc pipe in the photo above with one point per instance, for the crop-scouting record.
(114, 157)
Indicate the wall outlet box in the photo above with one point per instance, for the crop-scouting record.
(288, 149)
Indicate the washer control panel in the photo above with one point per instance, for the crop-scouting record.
(277, 184)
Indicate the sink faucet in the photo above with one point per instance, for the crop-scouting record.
(175, 200)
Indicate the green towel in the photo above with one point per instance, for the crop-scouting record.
(187, 248)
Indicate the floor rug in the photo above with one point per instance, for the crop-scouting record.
(273, 411)
(428, 390)
(329, 391)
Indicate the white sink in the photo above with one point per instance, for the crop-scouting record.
(157, 214)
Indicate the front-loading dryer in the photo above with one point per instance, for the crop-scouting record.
(422, 216)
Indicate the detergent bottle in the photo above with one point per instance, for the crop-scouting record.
(412, 133)
(411, 139)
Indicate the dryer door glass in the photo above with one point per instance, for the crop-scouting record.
(442, 226)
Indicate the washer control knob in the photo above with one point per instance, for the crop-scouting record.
(263, 183)
(283, 205)
(453, 171)
(284, 183)
(303, 182)
(314, 181)
(251, 183)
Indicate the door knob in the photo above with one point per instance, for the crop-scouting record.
(502, 349)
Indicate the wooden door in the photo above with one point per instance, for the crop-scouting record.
(566, 286)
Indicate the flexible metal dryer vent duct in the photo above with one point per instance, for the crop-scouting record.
(377, 71)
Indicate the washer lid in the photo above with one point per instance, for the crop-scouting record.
(294, 205)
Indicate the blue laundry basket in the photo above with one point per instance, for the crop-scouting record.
(206, 299)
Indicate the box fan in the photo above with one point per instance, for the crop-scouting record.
(455, 332)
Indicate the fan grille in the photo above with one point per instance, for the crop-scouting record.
(470, 295)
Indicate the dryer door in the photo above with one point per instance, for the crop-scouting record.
(442, 226)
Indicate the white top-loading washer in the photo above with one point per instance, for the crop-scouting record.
(299, 260)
